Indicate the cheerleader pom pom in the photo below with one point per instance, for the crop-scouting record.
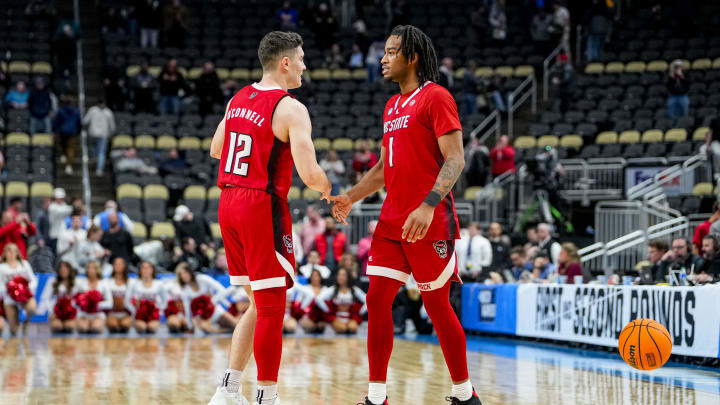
(64, 309)
(19, 290)
(202, 307)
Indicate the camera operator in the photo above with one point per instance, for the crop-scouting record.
(547, 171)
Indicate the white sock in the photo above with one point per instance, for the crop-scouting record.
(377, 392)
(267, 394)
(232, 380)
(462, 391)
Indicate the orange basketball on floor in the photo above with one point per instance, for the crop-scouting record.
(645, 344)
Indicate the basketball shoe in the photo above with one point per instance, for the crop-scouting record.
(474, 400)
(367, 402)
(223, 397)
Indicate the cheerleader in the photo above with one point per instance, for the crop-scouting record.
(344, 303)
(118, 316)
(313, 319)
(2, 306)
(239, 300)
(173, 304)
(202, 296)
(19, 282)
(93, 299)
(59, 298)
(144, 299)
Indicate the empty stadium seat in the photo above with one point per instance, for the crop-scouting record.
(161, 230)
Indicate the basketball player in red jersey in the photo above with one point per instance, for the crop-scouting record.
(263, 131)
(421, 158)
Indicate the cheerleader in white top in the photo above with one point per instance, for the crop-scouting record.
(239, 300)
(313, 319)
(173, 304)
(59, 296)
(202, 296)
(118, 316)
(20, 283)
(344, 303)
(92, 301)
(144, 299)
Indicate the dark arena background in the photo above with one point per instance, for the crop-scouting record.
(588, 198)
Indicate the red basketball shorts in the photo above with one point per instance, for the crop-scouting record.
(257, 234)
(432, 263)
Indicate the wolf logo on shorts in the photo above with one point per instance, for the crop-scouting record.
(287, 240)
(441, 248)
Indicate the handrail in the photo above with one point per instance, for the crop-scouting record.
(578, 45)
(496, 121)
(591, 252)
(520, 90)
(624, 242)
(546, 71)
(675, 224)
(81, 109)
(665, 176)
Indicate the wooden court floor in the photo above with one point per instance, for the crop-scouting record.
(185, 370)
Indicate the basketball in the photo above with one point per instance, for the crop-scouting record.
(645, 344)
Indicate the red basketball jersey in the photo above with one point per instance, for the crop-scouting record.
(252, 157)
(412, 124)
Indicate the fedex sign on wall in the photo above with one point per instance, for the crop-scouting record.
(636, 175)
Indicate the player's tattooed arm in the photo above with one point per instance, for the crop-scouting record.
(451, 147)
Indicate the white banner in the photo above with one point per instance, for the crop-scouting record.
(596, 314)
(635, 175)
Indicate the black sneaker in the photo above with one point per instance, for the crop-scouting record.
(474, 400)
(367, 402)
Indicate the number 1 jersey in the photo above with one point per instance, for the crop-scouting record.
(412, 124)
(252, 157)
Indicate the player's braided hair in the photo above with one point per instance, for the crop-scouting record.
(414, 41)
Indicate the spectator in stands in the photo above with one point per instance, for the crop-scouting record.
(520, 263)
(313, 264)
(599, 23)
(498, 22)
(67, 125)
(287, 17)
(117, 241)
(710, 271)
(174, 164)
(477, 165)
(324, 26)
(159, 252)
(372, 60)
(447, 73)
(469, 89)
(706, 228)
(100, 123)
(331, 244)
(57, 211)
(78, 209)
(194, 257)
(130, 162)
(542, 266)
(678, 86)
(531, 235)
(90, 250)
(312, 226)
(64, 45)
(42, 223)
(115, 89)
(18, 97)
(560, 28)
(16, 207)
(102, 219)
(349, 262)
(69, 242)
(563, 77)
(16, 230)
(335, 169)
(364, 244)
(207, 88)
(144, 89)
(540, 32)
(408, 305)
(479, 23)
(547, 243)
(474, 253)
(149, 18)
(500, 248)
(502, 157)
(171, 82)
(570, 264)
(176, 19)
(364, 159)
(679, 257)
(40, 106)
(656, 250)
(335, 58)
(495, 88)
(711, 148)
(356, 58)
(187, 224)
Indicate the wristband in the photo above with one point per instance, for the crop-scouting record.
(433, 199)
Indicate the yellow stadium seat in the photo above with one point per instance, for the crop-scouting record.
(571, 141)
(702, 189)
(42, 68)
(156, 191)
(294, 193)
(214, 193)
(2, 190)
(548, 140)
(700, 134)
(341, 74)
(19, 66)
(321, 144)
(470, 192)
(484, 71)
(166, 142)
(194, 73)
(676, 135)
(17, 189)
(360, 74)
(657, 66)
(629, 137)
(635, 67)
(703, 64)
(607, 137)
(145, 142)
(459, 73)
(614, 67)
(372, 144)
(128, 191)
(685, 64)
(504, 71)
(183, 71)
(206, 143)
(195, 192)
(139, 230)
(17, 138)
(189, 142)
(121, 142)
(240, 74)
(320, 74)
(525, 142)
(42, 140)
(342, 144)
(132, 70)
(651, 136)
(310, 194)
(223, 73)
(155, 70)
(594, 68)
(41, 189)
(524, 71)
(256, 74)
(162, 230)
(215, 230)
(716, 63)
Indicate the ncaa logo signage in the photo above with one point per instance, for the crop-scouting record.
(287, 240)
(441, 249)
